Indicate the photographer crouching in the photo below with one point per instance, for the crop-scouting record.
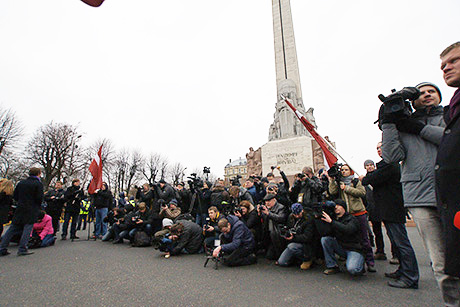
(238, 242)
(345, 241)
(299, 233)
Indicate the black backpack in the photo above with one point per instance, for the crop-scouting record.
(141, 239)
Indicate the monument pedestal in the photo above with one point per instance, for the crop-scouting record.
(290, 154)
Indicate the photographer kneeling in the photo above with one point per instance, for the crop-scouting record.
(344, 241)
(140, 220)
(186, 238)
(238, 242)
(211, 230)
(298, 233)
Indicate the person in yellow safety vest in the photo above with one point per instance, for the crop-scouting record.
(131, 205)
(84, 210)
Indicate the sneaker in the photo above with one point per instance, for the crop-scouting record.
(306, 265)
(25, 253)
(380, 256)
(331, 271)
(394, 260)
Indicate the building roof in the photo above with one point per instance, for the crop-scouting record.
(237, 162)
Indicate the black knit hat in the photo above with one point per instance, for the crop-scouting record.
(430, 84)
(342, 203)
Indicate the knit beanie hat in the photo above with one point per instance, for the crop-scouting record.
(296, 208)
(368, 161)
(430, 84)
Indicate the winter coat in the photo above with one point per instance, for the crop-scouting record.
(373, 211)
(387, 192)
(45, 227)
(218, 195)
(447, 170)
(169, 213)
(351, 195)
(103, 199)
(307, 192)
(6, 201)
(276, 215)
(145, 197)
(29, 196)
(347, 231)
(55, 205)
(418, 155)
(73, 197)
(166, 193)
(303, 227)
(191, 238)
(239, 236)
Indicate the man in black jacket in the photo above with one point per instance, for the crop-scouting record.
(387, 192)
(186, 237)
(140, 220)
(73, 197)
(345, 241)
(55, 200)
(447, 172)
(103, 200)
(299, 235)
(29, 196)
(273, 214)
(307, 188)
(238, 242)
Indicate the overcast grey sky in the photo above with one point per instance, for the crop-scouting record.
(195, 80)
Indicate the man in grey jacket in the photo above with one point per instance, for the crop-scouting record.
(414, 142)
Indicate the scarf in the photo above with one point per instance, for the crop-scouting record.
(454, 104)
(347, 180)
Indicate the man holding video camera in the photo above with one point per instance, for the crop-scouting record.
(238, 242)
(345, 241)
(413, 139)
(307, 188)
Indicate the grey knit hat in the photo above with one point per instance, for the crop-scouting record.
(368, 161)
(430, 84)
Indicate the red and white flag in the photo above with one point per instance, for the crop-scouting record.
(328, 155)
(94, 3)
(95, 169)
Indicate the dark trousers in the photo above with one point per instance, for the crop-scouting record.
(364, 224)
(82, 218)
(14, 229)
(55, 220)
(73, 226)
(238, 257)
(408, 267)
(377, 229)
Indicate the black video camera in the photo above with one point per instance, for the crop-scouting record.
(398, 101)
(236, 181)
(335, 171)
(327, 206)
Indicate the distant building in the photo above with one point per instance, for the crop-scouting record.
(234, 168)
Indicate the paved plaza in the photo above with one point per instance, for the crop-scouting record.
(88, 273)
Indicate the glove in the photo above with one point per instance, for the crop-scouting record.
(409, 125)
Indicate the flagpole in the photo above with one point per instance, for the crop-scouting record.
(326, 141)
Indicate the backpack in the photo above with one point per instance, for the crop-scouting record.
(141, 239)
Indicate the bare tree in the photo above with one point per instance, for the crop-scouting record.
(12, 167)
(154, 166)
(53, 148)
(177, 173)
(10, 129)
(127, 168)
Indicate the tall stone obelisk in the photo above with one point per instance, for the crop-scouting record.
(290, 146)
(285, 124)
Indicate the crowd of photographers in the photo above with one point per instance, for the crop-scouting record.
(321, 219)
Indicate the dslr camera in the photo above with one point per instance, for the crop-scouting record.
(327, 206)
(286, 232)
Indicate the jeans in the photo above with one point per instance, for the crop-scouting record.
(82, 219)
(355, 261)
(47, 240)
(73, 226)
(101, 227)
(408, 267)
(16, 229)
(430, 229)
(293, 250)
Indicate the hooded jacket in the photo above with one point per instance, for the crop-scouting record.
(239, 236)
